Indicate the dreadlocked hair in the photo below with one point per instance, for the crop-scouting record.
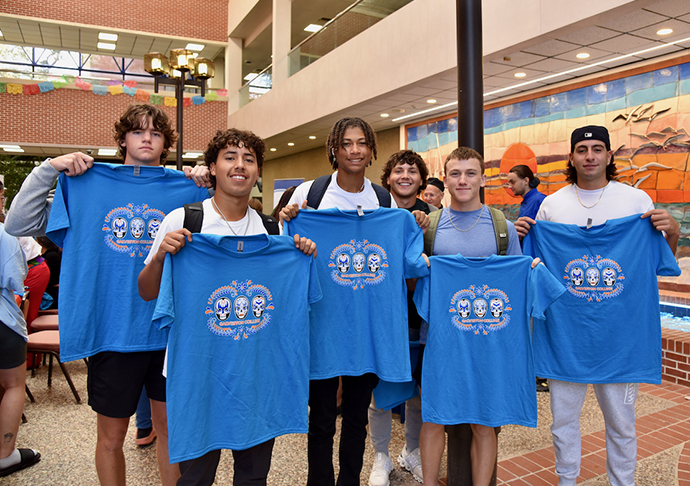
(335, 138)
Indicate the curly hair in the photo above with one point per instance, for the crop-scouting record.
(233, 137)
(135, 117)
(335, 138)
(405, 157)
(571, 173)
(464, 153)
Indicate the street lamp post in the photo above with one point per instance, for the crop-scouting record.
(182, 69)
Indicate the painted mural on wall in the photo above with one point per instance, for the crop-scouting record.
(647, 115)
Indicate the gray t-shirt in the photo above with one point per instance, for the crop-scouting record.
(479, 241)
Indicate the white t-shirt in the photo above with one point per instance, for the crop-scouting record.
(30, 247)
(335, 197)
(617, 201)
(213, 223)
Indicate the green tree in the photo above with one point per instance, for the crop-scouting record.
(15, 168)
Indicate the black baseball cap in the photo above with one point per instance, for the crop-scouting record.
(435, 182)
(590, 132)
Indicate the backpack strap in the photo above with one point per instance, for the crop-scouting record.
(500, 230)
(194, 219)
(193, 216)
(430, 234)
(320, 184)
(317, 190)
(383, 196)
(270, 224)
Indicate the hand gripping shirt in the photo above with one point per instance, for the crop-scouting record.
(478, 364)
(105, 220)
(360, 326)
(606, 327)
(238, 356)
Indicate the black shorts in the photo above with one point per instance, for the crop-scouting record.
(115, 381)
(12, 348)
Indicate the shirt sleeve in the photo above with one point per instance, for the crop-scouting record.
(59, 221)
(543, 290)
(315, 293)
(31, 206)
(421, 297)
(415, 265)
(530, 244)
(667, 266)
(164, 312)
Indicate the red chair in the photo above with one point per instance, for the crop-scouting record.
(48, 342)
(47, 322)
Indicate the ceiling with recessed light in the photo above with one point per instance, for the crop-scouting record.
(608, 40)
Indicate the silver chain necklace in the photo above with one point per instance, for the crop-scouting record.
(213, 200)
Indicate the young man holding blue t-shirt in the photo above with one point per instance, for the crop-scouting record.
(465, 227)
(234, 159)
(351, 145)
(592, 198)
(124, 356)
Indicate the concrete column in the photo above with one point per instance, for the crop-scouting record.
(233, 73)
(282, 18)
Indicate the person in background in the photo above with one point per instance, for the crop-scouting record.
(13, 337)
(52, 254)
(524, 183)
(405, 176)
(433, 193)
(283, 201)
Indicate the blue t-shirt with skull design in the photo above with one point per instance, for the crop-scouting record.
(238, 356)
(478, 363)
(360, 326)
(606, 327)
(105, 220)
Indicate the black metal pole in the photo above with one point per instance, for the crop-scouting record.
(180, 100)
(470, 134)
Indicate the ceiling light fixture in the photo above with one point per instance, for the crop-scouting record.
(106, 45)
(549, 77)
(431, 102)
(192, 155)
(429, 110)
(520, 75)
(313, 28)
(107, 152)
(291, 144)
(586, 66)
(665, 31)
(195, 47)
(12, 148)
(384, 115)
(273, 149)
(583, 55)
(107, 37)
(312, 137)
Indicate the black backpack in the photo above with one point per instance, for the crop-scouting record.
(194, 219)
(318, 189)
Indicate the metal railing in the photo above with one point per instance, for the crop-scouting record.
(347, 24)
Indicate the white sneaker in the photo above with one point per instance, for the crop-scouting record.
(380, 471)
(412, 461)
